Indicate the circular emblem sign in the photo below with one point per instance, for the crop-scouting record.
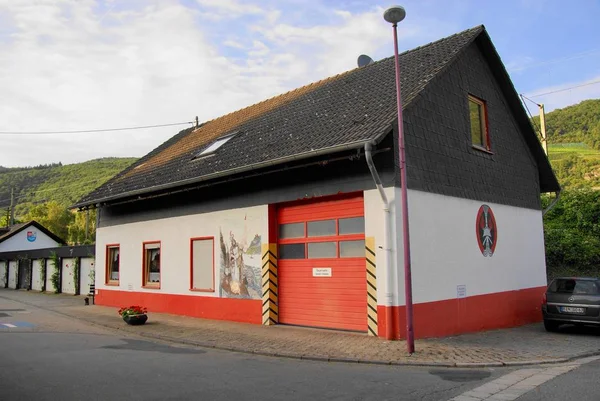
(487, 232)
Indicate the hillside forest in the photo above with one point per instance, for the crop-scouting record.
(571, 228)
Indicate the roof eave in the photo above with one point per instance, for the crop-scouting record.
(269, 163)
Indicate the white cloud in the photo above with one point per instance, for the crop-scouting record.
(85, 64)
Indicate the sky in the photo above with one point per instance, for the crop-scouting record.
(93, 64)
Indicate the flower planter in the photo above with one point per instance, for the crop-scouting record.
(135, 320)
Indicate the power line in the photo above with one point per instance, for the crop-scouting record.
(566, 89)
(531, 117)
(525, 97)
(557, 60)
(90, 130)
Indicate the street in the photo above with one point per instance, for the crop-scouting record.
(47, 356)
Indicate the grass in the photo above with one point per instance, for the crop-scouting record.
(558, 151)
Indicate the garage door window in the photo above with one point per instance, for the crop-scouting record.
(323, 239)
(295, 230)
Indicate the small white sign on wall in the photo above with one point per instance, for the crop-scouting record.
(321, 271)
(461, 291)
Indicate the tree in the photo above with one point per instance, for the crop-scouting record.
(76, 229)
(53, 216)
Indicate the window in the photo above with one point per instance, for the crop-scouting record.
(575, 286)
(112, 264)
(151, 264)
(479, 127)
(323, 239)
(213, 147)
(202, 267)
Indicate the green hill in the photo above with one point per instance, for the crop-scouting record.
(574, 144)
(63, 184)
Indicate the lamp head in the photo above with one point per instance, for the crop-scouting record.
(394, 14)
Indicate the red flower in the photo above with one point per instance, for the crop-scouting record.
(133, 310)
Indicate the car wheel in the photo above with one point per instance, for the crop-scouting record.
(549, 325)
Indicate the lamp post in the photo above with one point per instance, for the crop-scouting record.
(393, 15)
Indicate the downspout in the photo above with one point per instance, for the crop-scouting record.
(389, 331)
(553, 203)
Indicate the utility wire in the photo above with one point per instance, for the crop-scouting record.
(566, 89)
(90, 130)
(525, 97)
(531, 117)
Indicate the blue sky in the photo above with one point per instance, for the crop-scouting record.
(90, 64)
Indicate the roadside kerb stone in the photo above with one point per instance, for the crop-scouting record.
(312, 345)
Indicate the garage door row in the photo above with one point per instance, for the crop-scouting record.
(322, 276)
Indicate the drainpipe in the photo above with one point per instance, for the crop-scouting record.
(552, 204)
(389, 332)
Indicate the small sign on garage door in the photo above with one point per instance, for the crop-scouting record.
(321, 271)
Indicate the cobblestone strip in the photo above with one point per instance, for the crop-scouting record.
(513, 385)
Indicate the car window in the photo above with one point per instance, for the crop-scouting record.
(574, 286)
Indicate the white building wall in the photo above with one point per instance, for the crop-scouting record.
(445, 252)
(175, 234)
(68, 278)
(87, 273)
(36, 274)
(20, 241)
(375, 227)
(12, 273)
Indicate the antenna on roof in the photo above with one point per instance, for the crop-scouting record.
(364, 60)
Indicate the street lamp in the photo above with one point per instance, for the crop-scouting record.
(393, 15)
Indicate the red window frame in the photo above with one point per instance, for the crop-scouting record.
(145, 272)
(107, 279)
(484, 125)
(212, 289)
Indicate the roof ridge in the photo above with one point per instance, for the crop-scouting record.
(480, 27)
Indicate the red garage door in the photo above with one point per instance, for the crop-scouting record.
(322, 272)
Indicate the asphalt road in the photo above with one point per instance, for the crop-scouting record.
(46, 356)
(581, 384)
(50, 357)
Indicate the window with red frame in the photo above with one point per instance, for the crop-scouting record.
(152, 264)
(112, 264)
(480, 136)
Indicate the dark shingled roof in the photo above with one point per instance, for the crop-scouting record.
(338, 113)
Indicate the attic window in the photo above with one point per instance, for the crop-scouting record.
(480, 135)
(213, 147)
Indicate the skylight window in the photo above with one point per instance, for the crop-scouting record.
(213, 147)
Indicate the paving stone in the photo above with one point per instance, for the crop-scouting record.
(519, 345)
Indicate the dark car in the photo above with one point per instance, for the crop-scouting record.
(571, 300)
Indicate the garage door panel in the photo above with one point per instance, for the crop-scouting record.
(337, 301)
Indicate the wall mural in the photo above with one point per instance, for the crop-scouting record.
(240, 265)
(487, 232)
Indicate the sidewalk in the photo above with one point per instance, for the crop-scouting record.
(519, 346)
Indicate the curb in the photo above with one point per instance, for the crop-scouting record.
(431, 364)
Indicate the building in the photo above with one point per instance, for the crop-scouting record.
(30, 255)
(271, 214)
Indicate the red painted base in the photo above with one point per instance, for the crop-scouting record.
(237, 310)
(464, 315)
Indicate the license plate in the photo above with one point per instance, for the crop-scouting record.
(570, 309)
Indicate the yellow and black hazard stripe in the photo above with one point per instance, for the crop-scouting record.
(270, 310)
(371, 286)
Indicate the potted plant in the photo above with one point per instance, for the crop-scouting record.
(134, 315)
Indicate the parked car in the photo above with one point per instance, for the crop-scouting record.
(571, 300)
